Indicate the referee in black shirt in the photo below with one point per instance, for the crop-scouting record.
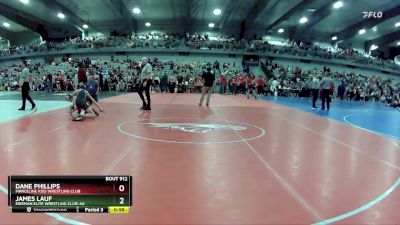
(326, 85)
(208, 80)
(24, 84)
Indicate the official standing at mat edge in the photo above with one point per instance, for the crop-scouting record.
(24, 84)
(145, 76)
(208, 86)
(326, 85)
(315, 86)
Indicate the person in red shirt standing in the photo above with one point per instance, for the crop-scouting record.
(234, 84)
(297, 72)
(82, 78)
(223, 83)
(242, 84)
(251, 87)
(260, 85)
(332, 91)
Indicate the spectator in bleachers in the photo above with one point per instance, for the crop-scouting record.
(121, 85)
(260, 85)
(251, 86)
(59, 81)
(341, 90)
(171, 83)
(242, 84)
(49, 82)
(164, 83)
(223, 82)
(2, 82)
(234, 82)
(157, 84)
(180, 86)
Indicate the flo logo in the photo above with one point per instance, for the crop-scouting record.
(196, 127)
(372, 15)
(191, 130)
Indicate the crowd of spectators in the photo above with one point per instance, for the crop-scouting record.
(122, 75)
(151, 40)
(112, 74)
(222, 42)
(205, 41)
(308, 49)
(294, 81)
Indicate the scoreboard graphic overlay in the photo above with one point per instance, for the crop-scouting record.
(70, 194)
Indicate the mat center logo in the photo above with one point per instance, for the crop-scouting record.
(190, 130)
(195, 127)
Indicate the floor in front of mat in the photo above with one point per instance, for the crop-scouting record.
(238, 161)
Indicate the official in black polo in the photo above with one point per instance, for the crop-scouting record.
(24, 84)
(208, 85)
(326, 84)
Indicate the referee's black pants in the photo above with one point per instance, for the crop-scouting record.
(145, 86)
(25, 95)
(315, 97)
(325, 96)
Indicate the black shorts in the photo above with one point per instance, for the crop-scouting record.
(84, 106)
(148, 83)
(80, 101)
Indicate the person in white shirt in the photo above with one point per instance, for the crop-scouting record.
(24, 84)
(76, 80)
(146, 82)
(315, 90)
(326, 84)
(274, 87)
(157, 83)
